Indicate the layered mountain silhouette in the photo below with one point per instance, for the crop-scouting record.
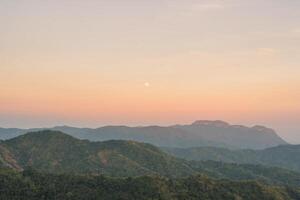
(56, 152)
(199, 133)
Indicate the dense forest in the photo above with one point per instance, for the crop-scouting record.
(32, 185)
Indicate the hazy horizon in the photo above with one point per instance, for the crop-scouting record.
(93, 63)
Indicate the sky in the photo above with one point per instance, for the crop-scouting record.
(94, 62)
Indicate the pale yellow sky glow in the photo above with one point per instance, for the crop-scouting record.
(92, 63)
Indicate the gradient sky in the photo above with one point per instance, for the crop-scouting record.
(138, 62)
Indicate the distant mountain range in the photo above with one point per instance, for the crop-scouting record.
(285, 156)
(56, 152)
(199, 133)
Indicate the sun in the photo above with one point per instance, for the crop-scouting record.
(147, 84)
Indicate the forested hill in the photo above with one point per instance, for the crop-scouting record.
(284, 156)
(31, 185)
(199, 133)
(56, 152)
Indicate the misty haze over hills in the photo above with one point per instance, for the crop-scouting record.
(200, 133)
(98, 100)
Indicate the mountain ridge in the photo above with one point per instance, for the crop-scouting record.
(200, 133)
(284, 156)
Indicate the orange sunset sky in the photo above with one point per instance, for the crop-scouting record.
(93, 63)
